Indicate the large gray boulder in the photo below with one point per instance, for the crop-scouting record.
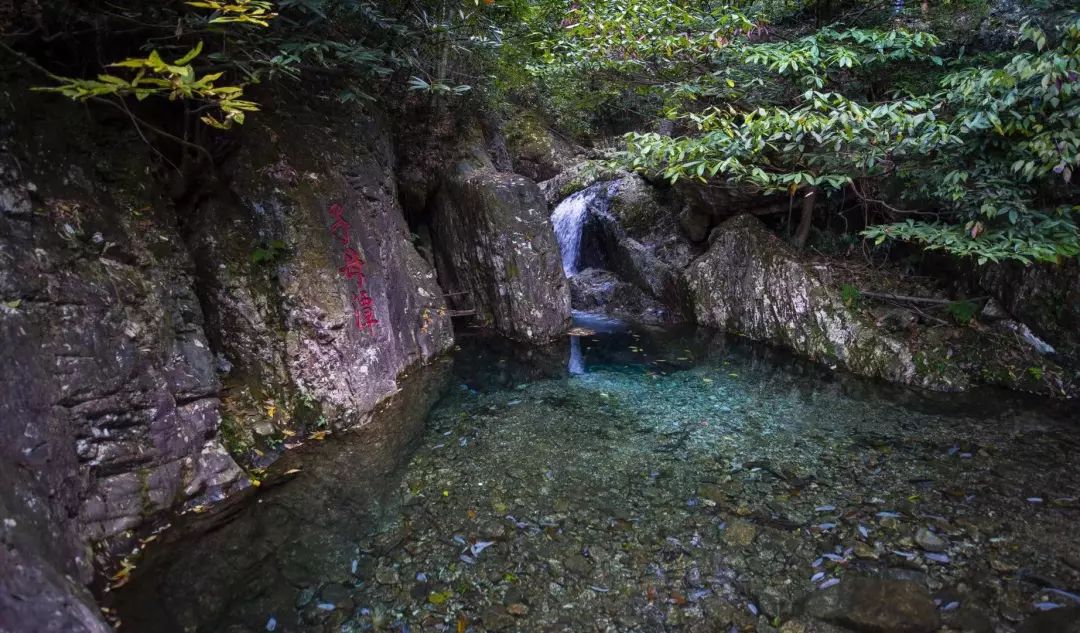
(282, 307)
(494, 242)
(751, 283)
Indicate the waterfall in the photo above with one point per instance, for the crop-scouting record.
(569, 218)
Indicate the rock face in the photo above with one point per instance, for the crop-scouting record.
(597, 290)
(750, 282)
(494, 241)
(284, 303)
(108, 396)
(536, 151)
(1045, 297)
(873, 605)
(122, 311)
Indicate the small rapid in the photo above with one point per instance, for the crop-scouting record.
(569, 220)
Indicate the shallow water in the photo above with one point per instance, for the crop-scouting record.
(634, 481)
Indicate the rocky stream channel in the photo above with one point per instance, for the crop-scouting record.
(654, 479)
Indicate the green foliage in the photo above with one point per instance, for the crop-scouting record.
(850, 295)
(963, 312)
(153, 76)
(977, 150)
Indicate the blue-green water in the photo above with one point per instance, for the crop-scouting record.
(636, 481)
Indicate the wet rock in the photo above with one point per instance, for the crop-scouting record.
(968, 619)
(579, 566)
(517, 610)
(494, 242)
(929, 541)
(1066, 620)
(740, 533)
(776, 601)
(594, 290)
(496, 618)
(337, 595)
(387, 576)
(864, 551)
(875, 606)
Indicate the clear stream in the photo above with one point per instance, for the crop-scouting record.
(626, 480)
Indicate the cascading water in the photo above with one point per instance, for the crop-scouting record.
(569, 221)
(569, 218)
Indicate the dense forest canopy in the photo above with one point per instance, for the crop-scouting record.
(953, 124)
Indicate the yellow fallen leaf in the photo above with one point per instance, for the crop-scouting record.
(292, 471)
(319, 435)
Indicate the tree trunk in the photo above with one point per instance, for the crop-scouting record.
(803, 232)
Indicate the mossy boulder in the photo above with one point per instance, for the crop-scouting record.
(535, 150)
(751, 283)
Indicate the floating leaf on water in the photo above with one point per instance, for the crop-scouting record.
(825, 527)
(952, 606)
(1034, 500)
(818, 576)
(325, 606)
(829, 583)
(438, 598)
(460, 540)
(291, 471)
(907, 555)
(888, 515)
(468, 560)
(863, 531)
(937, 558)
(599, 589)
(824, 508)
(750, 606)
(271, 624)
(1047, 606)
(817, 562)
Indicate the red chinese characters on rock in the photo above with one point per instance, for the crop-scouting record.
(353, 270)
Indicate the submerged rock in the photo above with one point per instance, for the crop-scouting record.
(875, 605)
(929, 541)
(494, 242)
(1066, 620)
